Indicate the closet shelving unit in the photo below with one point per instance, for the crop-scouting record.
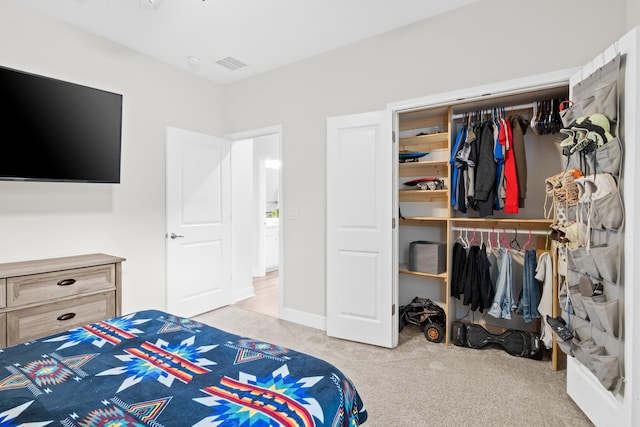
(436, 144)
(431, 211)
(436, 123)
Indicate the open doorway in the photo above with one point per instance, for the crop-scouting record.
(257, 203)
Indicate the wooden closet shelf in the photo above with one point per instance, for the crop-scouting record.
(498, 223)
(403, 270)
(439, 116)
(423, 221)
(432, 142)
(422, 195)
(439, 168)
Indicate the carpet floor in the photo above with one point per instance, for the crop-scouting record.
(421, 383)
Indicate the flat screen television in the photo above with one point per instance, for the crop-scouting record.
(52, 130)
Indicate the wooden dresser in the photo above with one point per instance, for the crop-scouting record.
(47, 296)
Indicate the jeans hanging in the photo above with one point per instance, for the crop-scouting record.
(503, 299)
(530, 294)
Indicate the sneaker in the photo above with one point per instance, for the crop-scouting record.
(600, 185)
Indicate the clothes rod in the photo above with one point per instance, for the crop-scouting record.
(501, 230)
(507, 109)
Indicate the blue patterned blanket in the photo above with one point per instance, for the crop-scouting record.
(154, 369)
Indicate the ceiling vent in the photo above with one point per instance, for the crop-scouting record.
(150, 4)
(231, 63)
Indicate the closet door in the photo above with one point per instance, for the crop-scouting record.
(601, 406)
(360, 273)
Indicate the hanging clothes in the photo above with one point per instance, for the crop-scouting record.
(459, 260)
(455, 170)
(503, 300)
(529, 297)
(467, 169)
(492, 151)
(510, 174)
(472, 276)
(472, 162)
(486, 284)
(485, 171)
(499, 157)
(544, 274)
(519, 126)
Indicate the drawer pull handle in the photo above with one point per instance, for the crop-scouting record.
(66, 282)
(66, 316)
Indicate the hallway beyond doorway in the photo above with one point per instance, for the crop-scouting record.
(265, 300)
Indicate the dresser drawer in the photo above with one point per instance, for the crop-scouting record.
(3, 330)
(36, 322)
(3, 293)
(38, 288)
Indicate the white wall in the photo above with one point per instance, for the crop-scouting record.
(633, 13)
(488, 41)
(40, 220)
(242, 215)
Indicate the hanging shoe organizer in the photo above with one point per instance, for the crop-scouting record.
(591, 291)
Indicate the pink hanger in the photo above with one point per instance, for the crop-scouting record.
(473, 238)
(503, 239)
(528, 242)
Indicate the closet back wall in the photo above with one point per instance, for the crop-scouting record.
(42, 220)
(485, 42)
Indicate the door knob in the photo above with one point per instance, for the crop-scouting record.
(176, 236)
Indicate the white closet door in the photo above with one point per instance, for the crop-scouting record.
(601, 406)
(361, 290)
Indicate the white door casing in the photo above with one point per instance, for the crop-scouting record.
(361, 290)
(198, 222)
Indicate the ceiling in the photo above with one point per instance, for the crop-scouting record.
(263, 34)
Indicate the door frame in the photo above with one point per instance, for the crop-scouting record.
(240, 292)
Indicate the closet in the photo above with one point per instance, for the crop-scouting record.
(372, 217)
(434, 215)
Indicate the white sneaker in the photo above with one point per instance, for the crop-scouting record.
(599, 185)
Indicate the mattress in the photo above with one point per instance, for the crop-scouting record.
(152, 368)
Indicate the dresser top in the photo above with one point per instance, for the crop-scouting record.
(23, 268)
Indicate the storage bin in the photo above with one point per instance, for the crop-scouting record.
(427, 257)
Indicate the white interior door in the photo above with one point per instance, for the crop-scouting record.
(198, 222)
(600, 405)
(361, 290)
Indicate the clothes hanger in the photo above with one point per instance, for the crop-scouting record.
(514, 243)
(503, 240)
(528, 242)
(493, 235)
(473, 239)
(546, 242)
(463, 241)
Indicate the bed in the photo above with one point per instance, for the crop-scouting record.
(152, 368)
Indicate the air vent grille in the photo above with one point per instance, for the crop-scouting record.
(150, 4)
(231, 63)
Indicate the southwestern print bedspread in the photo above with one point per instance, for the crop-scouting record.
(154, 369)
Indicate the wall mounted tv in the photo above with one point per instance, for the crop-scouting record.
(52, 130)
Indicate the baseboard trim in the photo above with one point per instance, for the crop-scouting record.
(241, 294)
(305, 319)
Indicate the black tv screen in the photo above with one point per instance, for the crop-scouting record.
(52, 130)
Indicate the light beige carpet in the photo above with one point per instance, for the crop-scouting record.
(422, 383)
